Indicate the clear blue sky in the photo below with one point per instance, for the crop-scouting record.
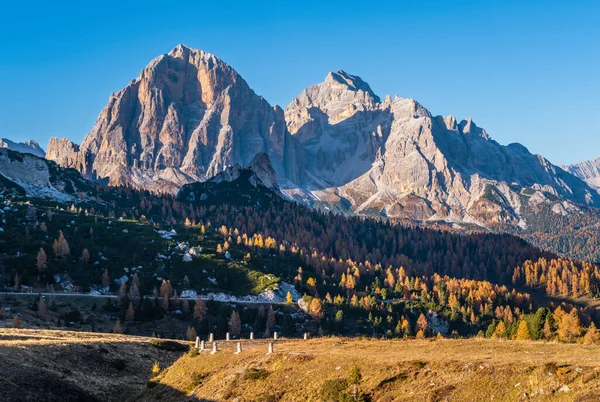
(527, 71)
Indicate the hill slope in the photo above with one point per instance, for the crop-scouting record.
(391, 371)
(75, 366)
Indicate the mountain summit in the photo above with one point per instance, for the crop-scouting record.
(337, 145)
(186, 117)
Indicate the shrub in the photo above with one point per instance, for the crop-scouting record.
(256, 374)
(335, 391)
(197, 379)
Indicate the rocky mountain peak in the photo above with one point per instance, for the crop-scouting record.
(351, 82)
(187, 117)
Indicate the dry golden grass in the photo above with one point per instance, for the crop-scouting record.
(64, 365)
(74, 366)
(453, 370)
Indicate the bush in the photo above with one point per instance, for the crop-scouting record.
(256, 374)
(197, 379)
(335, 391)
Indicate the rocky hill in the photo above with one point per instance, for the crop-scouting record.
(38, 177)
(588, 171)
(189, 116)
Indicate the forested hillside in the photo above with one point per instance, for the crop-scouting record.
(357, 275)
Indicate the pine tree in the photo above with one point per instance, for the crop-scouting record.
(117, 328)
(105, 279)
(41, 262)
(288, 298)
(422, 323)
(547, 332)
(491, 330)
(316, 308)
(41, 307)
(234, 324)
(271, 321)
(199, 309)
(61, 246)
(569, 326)
(191, 334)
(591, 336)
(122, 292)
(523, 332)
(85, 256)
(500, 331)
(355, 378)
(130, 315)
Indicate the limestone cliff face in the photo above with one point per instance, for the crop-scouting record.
(189, 116)
(393, 158)
(186, 118)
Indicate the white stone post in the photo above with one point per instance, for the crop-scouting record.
(239, 348)
(251, 336)
(197, 342)
(201, 346)
(227, 337)
(211, 337)
(305, 336)
(270, 348)
(215, 348)
(275, 335)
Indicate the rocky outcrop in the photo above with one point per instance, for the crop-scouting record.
(260, 173)
(38, 177)
(588, 171)
(187, 117)
(27, 147)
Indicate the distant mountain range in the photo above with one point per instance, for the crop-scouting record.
(27, 147)
(588, 171)
(338, 146)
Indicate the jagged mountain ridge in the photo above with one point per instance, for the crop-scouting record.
(28, 147)
(394, 158)
(189, 116)
(589, 171)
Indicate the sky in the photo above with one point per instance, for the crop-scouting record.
(527, 71)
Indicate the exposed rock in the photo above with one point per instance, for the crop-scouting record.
(588, 171)
(189, 116)
(261, 172)
(186, 118)
(27, 147)
(38, 177)
(393, 158)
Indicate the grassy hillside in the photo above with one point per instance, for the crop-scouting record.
(75, 366)
(71, 366)
(416, 370)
